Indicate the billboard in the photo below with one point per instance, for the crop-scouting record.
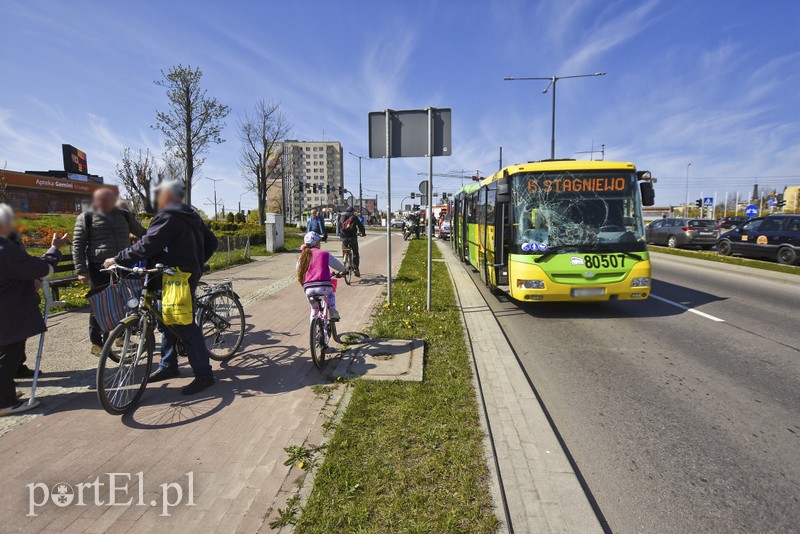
(74, 160)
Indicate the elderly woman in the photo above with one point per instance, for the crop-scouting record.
(19, 304)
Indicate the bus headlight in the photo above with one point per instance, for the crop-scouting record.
(530, 284)
(640, 282)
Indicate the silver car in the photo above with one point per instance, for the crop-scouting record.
(683, 232)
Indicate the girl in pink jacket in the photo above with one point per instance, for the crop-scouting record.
(314, 273)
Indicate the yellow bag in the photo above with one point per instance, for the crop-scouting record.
(176, 298)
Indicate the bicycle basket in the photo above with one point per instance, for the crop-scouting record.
(109, 302)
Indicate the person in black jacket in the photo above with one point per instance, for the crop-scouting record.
(20, 317)
(177, 237)
(350, 227)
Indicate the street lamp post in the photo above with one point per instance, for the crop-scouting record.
(686, 204)
(553, 81)
(360, 191)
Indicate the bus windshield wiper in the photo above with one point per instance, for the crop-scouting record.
(555, 250)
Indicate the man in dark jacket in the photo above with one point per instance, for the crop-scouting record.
(177, 237)
(99, 234)
(350, 227)
(20, 317)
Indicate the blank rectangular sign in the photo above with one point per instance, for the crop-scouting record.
(409, 133)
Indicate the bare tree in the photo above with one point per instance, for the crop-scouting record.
(139, 173)
(261, 161)
(193, 121)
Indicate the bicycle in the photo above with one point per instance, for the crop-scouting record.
(322, 330)
(127, 354)
(220, 315)
(349, 268)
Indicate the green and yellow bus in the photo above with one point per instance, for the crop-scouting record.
(559, 230)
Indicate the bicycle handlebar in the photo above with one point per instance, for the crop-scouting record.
(159, 268)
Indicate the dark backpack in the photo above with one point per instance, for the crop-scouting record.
(349, 224)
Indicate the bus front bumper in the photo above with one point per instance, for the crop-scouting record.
(583, 292)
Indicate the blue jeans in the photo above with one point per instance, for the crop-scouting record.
(192, 338)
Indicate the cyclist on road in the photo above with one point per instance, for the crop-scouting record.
(350, 227)
(177, 237)
(314, 273)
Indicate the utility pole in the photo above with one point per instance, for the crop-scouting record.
(553, 81)
(592, 152)
(215, 180)
(686, 204)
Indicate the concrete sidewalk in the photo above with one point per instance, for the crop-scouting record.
(231, 438)
(69, 368)
(539, 489)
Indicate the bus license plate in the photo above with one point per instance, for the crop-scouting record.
(589, 292)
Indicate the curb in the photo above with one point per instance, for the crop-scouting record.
(541, 489)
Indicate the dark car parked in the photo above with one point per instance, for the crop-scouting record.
(682, 232)
(776, 237)
(726, 223)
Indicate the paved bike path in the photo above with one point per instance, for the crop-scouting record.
(231, 438)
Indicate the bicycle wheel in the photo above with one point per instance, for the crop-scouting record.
(120, 383)
(221, 319)
(348, 270)
(317, 341)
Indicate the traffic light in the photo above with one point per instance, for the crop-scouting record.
(413, 195)
(699, 202)
(780, 201)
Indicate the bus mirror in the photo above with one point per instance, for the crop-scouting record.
(648, 193)
(504, 188)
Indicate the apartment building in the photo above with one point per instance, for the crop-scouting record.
(313, 176)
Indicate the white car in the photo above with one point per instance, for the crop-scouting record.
(444, 230)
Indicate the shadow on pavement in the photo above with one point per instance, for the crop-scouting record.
(370, 280)
(614, 309)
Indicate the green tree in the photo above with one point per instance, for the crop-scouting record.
(230, 217)
(239, 217)
(192, 122)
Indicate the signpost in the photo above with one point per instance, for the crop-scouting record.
(751, 211)
(400, 134)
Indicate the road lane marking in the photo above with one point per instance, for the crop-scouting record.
(687, 308)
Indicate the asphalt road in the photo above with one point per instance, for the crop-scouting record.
(678, 420)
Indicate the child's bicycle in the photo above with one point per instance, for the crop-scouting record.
(323, 329)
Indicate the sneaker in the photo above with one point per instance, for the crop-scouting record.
(17, 407)
(26, 372)
(96, 349)
(197, 385)
(163, 373)
(357, 273)
(335, 315)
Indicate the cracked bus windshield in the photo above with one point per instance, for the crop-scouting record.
(589, 210)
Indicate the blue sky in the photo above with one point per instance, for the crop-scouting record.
(715, 83)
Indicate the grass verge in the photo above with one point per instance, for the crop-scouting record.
(730, 260)
(408, 457)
